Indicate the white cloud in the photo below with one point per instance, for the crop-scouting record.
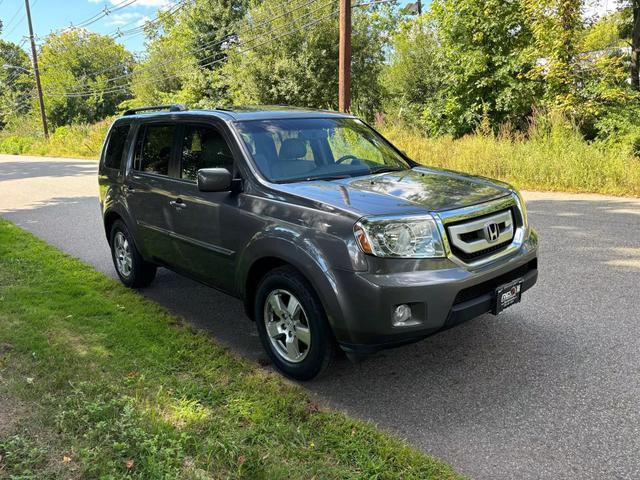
(142, 21)
(117, 19)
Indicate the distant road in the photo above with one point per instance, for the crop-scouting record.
(550, 389)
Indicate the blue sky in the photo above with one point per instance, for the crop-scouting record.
(51, 15)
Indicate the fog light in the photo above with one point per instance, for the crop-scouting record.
(401, 315)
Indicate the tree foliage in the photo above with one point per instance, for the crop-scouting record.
(556, 25)
(185, 52)
(16, 82)
(76, 68)
(463, 66)
(479, 47)
(415, 76)
(300, 68)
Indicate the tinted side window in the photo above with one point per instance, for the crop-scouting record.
(203, 147)
(115, 147)
(155, 152)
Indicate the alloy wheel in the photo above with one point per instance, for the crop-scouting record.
(287, 326)
(124, 257)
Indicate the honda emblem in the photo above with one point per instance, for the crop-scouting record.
(491, 232)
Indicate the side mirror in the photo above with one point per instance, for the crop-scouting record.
(214, 180)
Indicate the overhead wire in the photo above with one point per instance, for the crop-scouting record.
(210, 63)
(106, 11)
(13, 17)
(198, 50)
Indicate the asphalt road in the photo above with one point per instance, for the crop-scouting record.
(550, 389)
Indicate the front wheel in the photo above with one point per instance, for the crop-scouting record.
(292, 325)
(131, 268)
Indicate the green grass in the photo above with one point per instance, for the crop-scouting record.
(557, 159)
(75, 141)
(98, 382)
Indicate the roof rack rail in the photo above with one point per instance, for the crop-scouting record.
(172, 108)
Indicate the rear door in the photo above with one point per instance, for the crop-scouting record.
(199, 217)
(150, 189)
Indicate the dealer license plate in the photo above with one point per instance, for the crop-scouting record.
(507, 295)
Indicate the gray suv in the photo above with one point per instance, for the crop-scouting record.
(330, 235)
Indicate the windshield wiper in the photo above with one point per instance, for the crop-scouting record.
(385, 169)
(328, 177)
(315, 177)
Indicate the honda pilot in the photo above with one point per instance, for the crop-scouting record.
(331, 236)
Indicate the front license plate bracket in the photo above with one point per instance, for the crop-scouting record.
(507, 295)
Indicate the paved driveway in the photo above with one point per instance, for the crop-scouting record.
(551, 389)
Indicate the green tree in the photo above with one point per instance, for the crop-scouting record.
(185, 51)
(556, 26)
(608, 107)
(291, 57)
(484, 45)
(16, 82)
(414, 77)
(85, 76)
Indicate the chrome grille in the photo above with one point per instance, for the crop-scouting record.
(474, 236)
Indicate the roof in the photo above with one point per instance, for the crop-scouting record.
(245, 113)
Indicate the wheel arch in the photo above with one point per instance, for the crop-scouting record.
(109, 219)
(320, 280)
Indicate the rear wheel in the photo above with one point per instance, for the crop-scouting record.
(292, 324)
(131, 268)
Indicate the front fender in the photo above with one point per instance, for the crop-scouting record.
(288, 246)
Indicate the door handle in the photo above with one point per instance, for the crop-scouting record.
(178, 203)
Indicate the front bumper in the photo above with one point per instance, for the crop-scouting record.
(442, 297)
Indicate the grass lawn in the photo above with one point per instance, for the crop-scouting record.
(98, 382)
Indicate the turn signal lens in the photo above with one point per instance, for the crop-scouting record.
(361, 237)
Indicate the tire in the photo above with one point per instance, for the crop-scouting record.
(315, 343)
(131, 268)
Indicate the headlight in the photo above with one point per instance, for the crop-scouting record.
(399, 237)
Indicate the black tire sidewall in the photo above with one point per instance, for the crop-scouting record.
(139, 277)
(322, 342)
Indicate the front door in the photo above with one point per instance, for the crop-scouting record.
(197, 215)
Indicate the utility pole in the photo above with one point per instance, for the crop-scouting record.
(344, 57)
(419, 7)
(635, 46)
(36, 72)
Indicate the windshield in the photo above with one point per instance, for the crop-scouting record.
(292, 150)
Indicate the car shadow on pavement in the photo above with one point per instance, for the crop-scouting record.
(46, 168)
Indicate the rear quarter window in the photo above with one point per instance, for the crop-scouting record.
(115, 147)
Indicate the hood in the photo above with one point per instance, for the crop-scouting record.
(405, 192)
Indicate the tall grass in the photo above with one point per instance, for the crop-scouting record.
(80, 140)
(552, 155)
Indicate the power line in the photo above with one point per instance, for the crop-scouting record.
(198, 50)
(21, 20)
(216, 43)
(106, 11)
(204, 47)
(119, 33)
(13, 18)
(213, 62)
